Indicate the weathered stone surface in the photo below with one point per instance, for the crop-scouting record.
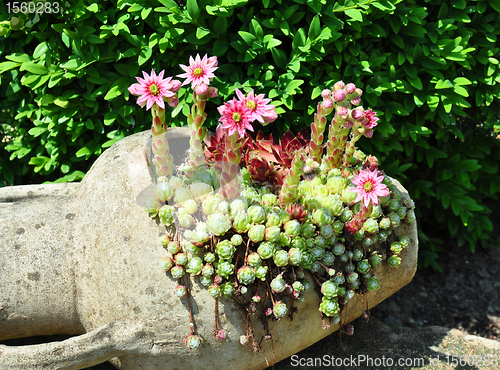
(86, 261)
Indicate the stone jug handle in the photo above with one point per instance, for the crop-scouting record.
(79, 352)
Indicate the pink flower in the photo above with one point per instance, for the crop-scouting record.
(370, 120)
(199, 70)
(152, 90)
(369, 187)
(236, 116)
(258, 105)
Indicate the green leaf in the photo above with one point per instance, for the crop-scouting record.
(314, 28)
(416, 83)
(279, 57)
(290, 88)
(461, 91)
(34, 68)
(273, 43)
(354, 14)
(40, 50)
(193, 9)
(446, 84)
(219, 48)
(113, 92)
(110, 117)
(37, 131)
(220, 26)
(144, 56)
(6, 66)
(247, 37)
(94, 8)
(201, 32)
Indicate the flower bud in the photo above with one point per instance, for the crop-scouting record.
(327, 106)
(350, 88)
(201, 89)
(270, 116)
(326, 93)
(212, 92)
(176, 85)
(339, 95)
(358, 114)
(342, 111)
(173, 101)
(339, 85)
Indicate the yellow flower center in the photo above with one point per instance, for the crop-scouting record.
(368, 186)
(251, 104)
(236, 117)
(197, 72)
(154, 89)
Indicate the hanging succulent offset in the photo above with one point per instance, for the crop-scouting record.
(245, 210)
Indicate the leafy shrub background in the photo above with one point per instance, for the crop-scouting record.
(429, 68)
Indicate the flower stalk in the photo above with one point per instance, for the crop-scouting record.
(288, 193)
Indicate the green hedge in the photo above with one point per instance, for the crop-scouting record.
(429, 68)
